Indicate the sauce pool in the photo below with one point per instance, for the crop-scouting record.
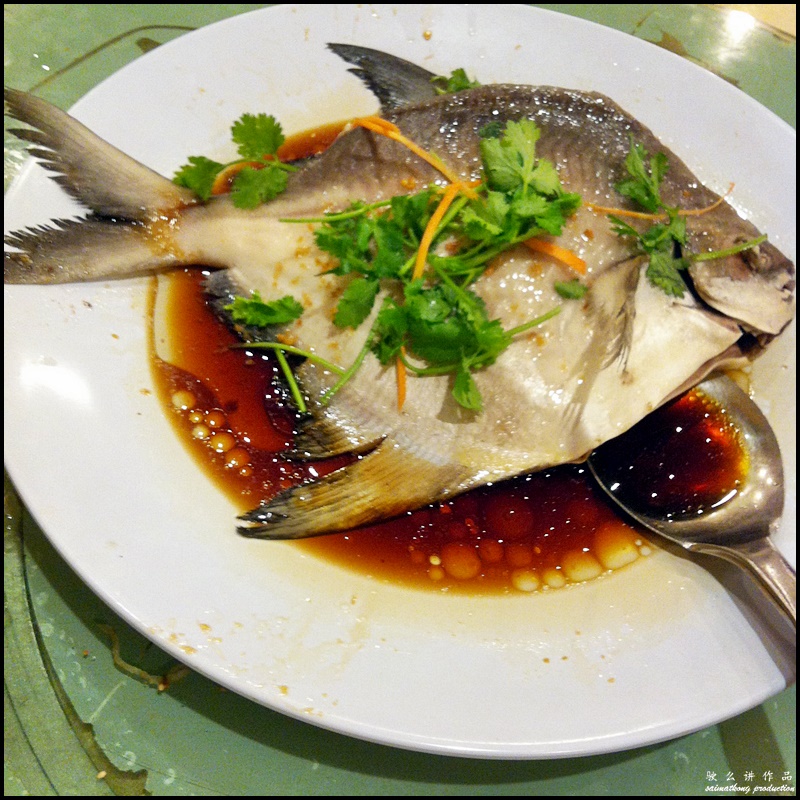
(545, 530)
(682, 461)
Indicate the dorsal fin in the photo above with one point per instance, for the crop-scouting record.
(394, 81)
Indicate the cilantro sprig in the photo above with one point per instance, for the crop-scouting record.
(436, 324)
(457, 81)
(259, 175)
(254, 312)
(664, 242)
(439, 321)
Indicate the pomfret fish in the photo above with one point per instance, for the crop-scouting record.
(550, 398)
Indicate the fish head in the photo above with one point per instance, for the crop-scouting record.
(755, 286)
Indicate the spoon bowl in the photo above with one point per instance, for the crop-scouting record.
(737, 526)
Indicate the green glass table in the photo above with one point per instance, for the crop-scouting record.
(197, 739)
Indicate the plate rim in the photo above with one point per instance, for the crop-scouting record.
(86, 102)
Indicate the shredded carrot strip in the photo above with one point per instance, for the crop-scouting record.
(378, 124)
(624, 212)
(400, 373)
(450, 194)
(556, 251)
(696, 212)
(692, 212)
(391, 131)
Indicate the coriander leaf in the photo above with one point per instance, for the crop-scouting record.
(621, 228)
(571, 290)
(347, 239)
(491, 339)
(486, 220)
(544, 178)
(501, 165)
(251, 187)
(356, 303)
(458, 81)
(436, 333)
(411, 212)
(389, 331)
(522, 137)
(663, 271)
(389, 254)
(466, 392)
(661, 236)
(466, 302)
(492, 130)
(643, 185)
(448, 327)
(553, 218)
(198, 175)
(509, 161)
(261, 314)
(257, 136)
(529, 205)
(567, 203)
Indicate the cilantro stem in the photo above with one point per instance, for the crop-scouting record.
(730, 251)
(455, 209)
(295, 351)
(534, 322)
(262, 162)
(443, 369)
(341, 215)
(274, 162)
(297, 395)
(349, 372)
(473, 262)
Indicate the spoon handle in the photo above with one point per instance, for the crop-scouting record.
(767, 564)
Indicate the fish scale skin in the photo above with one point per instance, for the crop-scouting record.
(585, 376)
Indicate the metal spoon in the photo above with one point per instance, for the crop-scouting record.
(737, 530)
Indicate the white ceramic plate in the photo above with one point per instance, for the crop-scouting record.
(651, 653)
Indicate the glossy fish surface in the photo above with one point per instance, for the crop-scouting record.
(586, 375)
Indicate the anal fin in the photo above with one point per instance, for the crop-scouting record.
(318, 437)
(386, 482)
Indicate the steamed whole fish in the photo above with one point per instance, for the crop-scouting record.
(550, 398)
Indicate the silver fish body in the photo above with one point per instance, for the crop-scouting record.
(554, 395)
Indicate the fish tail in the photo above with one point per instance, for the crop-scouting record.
(74, 250)
(125, 197)
(387, 482)
(94, 172)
